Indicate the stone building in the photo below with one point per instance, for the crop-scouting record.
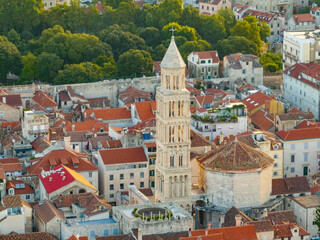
(212, 6)
(287, 121)
(62, 180)
(242, 175)
(35, 124)
(119, 168)
(203, 65)
(8, 113)
(301, 22)
(163, 218)
(173, 169)
(243, 66)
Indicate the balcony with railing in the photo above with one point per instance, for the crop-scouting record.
(38, 131)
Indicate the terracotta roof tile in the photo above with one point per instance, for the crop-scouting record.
(108, 114)
(205, 99)
(47, 211)
(146, 110)
(263, 120)
(12, 100)
(198, 140)
(256, 100)
(11, 201)
(297, 134)
(129, 95)
(64, 96)
(29, 236)
(260, 15)
(56, 133)
(123, 155)
(61, 177)
(296, 116)
(291, 185)
(208, 55)
(262, 226)
(284, 230)
(88, 125)
(19, 186)
(295, 110)
(43, 99)
(281, 216)
(235, 156)
(308, 201)
(306, 17)
(56, 157)
(100, 102)
(11, 164)
(40, 144)
(307, 124)
(310, 69)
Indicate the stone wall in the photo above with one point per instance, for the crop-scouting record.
(109, 88)
(272, 80)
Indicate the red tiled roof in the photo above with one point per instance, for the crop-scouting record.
(100, 102)
(48, 211)
(18, 189)
(208, 55)
(310, 69)
(12, 100)
(290, 185)
(306, 17)
(227, 233)
(298, 134)
(129, 95)
(156, 64)
(12, 125)
(64, 96)
(260, 15)
(205, 99)
(61, 177)
(194, 91)
(146, 110)
(263, 120)
(279, 217)
(43, 99)
(150, 144)
(40, 144)
(123, 155)
(63, 156)
(29, 236)
(108, 114)
(88, 125)
(11, 164)
(295, 110)
(256, 100)
(315, 189)
(284, 230)
(315, 9)
(308, 124)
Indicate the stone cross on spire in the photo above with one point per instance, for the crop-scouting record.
(172, 30)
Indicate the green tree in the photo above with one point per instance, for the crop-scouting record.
(235, 44)
(72, 48)
(30, 68)
(229, 19)
(121, 41)
(183, 31)
(108, 65)
(49, 64)
(193, 46)
(317, 219)
(79, 73)
(9, 58)
(166, 12)
(212, 28)
(190, 17)
(151, 35)
(271, 62)
(127, 12)
(23, 16)
(159, 52)
(135, 63)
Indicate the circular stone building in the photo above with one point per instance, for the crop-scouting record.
(236, 175)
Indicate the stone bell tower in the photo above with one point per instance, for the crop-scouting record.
(173, 170)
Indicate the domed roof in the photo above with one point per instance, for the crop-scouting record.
(172, 58)
(234, 156)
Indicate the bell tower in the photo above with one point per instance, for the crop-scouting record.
(173, 169)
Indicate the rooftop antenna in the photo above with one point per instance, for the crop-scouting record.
(172, 30)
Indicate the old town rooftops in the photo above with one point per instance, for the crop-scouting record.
(235, 156)
(61, 176)
(299, 134)
(290, 185)
(74, 160)
(47, 211)
(123, 155)
(108, 114)
(256, 100)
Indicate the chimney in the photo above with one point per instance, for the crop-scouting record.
(209, 225)
(222, 216)
(264, 213)
(139, 234)
(238, 220)
(73, 127)
(4, 99)
(308, 123)
(221, 139)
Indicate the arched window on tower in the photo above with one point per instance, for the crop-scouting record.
(180, 161)
(182, 102)
(170, 133)
(172, 108)
(174, 82)
(177, 82)
(179, 108)
(179, 134)
(171, 161)
(168, 82)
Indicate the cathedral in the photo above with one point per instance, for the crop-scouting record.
(173, 169)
